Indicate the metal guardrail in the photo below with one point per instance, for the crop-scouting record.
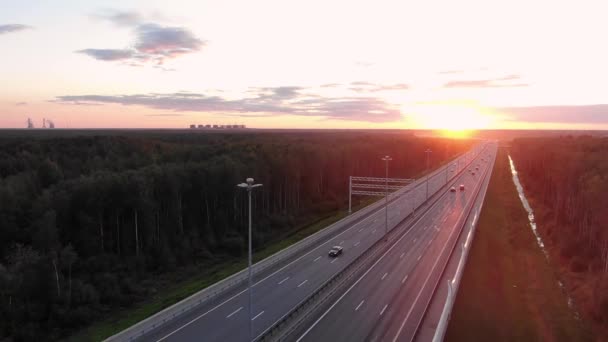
(454, 283)
(204, 296)
(468, 210)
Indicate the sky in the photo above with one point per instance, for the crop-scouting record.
(467, 64)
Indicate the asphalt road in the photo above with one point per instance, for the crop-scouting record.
(388, 302)
(276, 293)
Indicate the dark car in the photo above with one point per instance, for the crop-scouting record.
(461, 187)
(335, 251)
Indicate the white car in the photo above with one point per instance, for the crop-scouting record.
(452, 189)
(335, 251)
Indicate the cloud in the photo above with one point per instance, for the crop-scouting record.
(502, 82)
(153, 44)
(164, 115)
(20, 103)
(108, 54)
(9, 28)
(591, 114)
(260, 101)
(366, 87)
(120, 18)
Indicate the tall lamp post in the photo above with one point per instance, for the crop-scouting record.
(249, 185)
(386, 160)
(428, 152)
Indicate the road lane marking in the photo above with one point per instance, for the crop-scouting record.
(431, 241)
(341, 242)
(384, 308)
(404, 279)
(358, 306)
(319, 257)
(282, 281)
(415, 239)
(360, 230)
(237, 310)
(336, 258)
(356, 244)
(401, 256)
(384, 276)
(373, 231)
(302, 283)
(258, 315)
(420, 256)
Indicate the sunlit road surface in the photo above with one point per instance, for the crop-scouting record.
(388, 302)
(274, 294)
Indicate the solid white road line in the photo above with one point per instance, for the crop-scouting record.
(302, 283)
(384, 276)
(358, 306)
(282, 281)
(384, 308)
(404, 279)
(258, 315)
(237, 310)
(319, 257)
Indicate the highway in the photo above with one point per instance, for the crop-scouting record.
(277, 291)
(389, 301)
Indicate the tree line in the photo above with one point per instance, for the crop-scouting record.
(89, 223)
(566, 179)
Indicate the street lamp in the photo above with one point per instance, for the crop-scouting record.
(249, 187)
(386, 160)
(428, 152)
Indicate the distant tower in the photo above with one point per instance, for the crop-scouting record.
(51, 124)
(30, 123)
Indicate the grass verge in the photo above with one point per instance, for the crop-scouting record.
(509, 292)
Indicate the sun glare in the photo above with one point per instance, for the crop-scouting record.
(455, 120)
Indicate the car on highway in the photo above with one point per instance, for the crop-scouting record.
(452, 189)
(335, 251)
(477, 168)
(473, 173)
(461, 187)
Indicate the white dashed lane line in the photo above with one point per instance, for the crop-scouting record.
(358, 306)
(237, 310)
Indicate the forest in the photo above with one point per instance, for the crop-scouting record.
(89, 221)
(566, 181)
